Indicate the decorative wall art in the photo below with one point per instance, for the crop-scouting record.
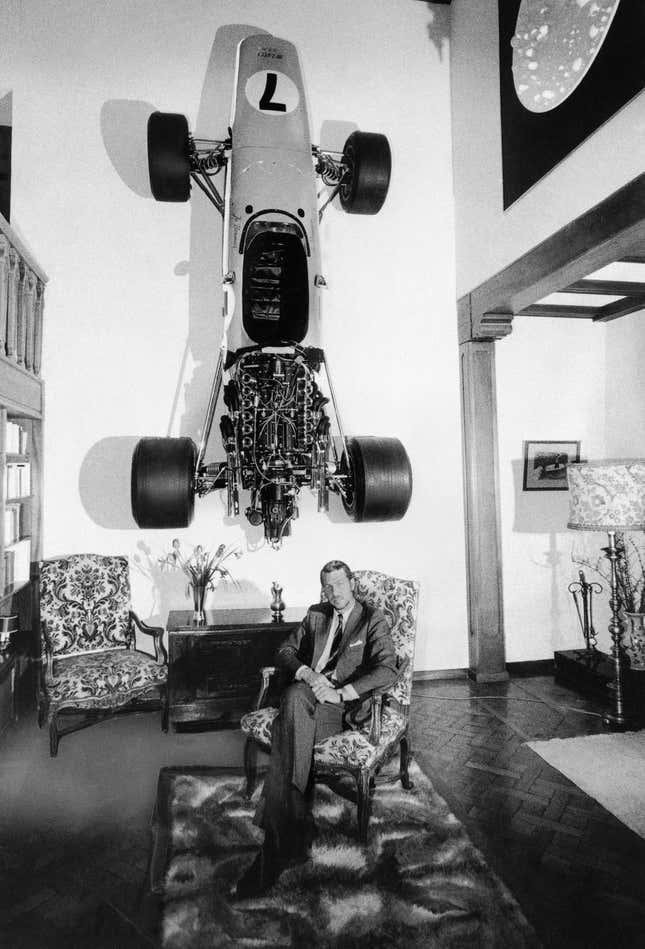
(566, 66)
(545, 464)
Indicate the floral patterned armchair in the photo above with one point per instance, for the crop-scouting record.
(91, 667)
(364, 747)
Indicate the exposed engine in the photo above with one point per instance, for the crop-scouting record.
(276, 435)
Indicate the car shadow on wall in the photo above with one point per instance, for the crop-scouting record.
(124, 131)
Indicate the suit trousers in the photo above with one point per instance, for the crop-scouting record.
(284, 807)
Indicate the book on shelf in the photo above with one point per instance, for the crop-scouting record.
(21, 560)
(16, 439)
(17, 479)
(12, 438)
(11, 524)
(9, 564)
(24, 480)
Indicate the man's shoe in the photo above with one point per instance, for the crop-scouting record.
(258, 877)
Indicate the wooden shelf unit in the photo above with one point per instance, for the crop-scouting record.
(22, 286)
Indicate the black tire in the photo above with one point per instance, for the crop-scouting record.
(162, 485)
(380, 479)
(169, 156)
(370, 162)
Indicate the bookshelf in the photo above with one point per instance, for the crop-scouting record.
(19, 435)
(22, 287)
(20, 506)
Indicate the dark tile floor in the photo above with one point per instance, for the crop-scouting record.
(75, 838)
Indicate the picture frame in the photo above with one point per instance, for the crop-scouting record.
(534, 143)
(545, 464)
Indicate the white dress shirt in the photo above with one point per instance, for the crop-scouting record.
(347, 692)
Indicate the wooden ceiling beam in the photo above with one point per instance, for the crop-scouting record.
(554, 310)
(611, 288)
(612, 311)
(612, 230)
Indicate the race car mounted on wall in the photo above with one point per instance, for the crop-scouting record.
(277, 430)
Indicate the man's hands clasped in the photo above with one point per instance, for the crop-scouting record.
(321, 686)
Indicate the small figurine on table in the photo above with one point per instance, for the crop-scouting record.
(277, 603)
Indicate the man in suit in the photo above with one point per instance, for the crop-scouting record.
(341, 651)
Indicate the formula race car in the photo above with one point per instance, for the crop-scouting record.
(276, 432)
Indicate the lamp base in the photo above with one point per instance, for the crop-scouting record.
(617, 721)
(592, 673)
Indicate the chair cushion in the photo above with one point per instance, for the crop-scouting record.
(258, 724)
(106, 679)
(348, 749)
(85, 602)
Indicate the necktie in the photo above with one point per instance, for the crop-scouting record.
(335, 644)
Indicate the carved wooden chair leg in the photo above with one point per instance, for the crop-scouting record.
(364, 803)
(250, 765)
(54, 737)
(406, 757)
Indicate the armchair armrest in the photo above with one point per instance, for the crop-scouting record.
(376, 703)
(384, 689)
(48, 651)
(266, 672)
(157, 633)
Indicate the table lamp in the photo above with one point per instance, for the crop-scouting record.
(610, 496)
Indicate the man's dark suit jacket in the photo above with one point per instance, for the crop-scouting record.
(366, 657)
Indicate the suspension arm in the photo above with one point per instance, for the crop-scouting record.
(210, 410)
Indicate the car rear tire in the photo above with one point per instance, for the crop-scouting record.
(369, 159)
(169, 156)
(162, 484)
(380, 479)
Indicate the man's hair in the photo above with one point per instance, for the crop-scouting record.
(335, 565)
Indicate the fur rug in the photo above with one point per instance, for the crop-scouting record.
(418, 882)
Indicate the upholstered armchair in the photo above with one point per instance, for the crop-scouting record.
(91, 668)
(364, 747)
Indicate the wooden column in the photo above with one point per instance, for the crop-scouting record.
(12, 302)
(30, 319)
(38, 325)
(486, 647)
(25, 287)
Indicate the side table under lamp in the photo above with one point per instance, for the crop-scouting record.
(610, 496)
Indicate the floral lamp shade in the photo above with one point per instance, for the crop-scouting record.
(607, 495)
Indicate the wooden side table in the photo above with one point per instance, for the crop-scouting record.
(213, 668)
(8, 662)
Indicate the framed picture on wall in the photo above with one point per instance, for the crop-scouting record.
(545, 464)
(565, 69)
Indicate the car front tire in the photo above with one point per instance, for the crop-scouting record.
(163, 482)
(379, 479)
(169, 156)
(369, 160)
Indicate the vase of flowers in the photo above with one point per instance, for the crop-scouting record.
(203, 569)
(630, 582)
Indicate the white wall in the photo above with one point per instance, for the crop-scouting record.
(625, 386)
(133, 296)
(550, 381)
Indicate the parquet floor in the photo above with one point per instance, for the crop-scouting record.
(75, 840)
(577, 871)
